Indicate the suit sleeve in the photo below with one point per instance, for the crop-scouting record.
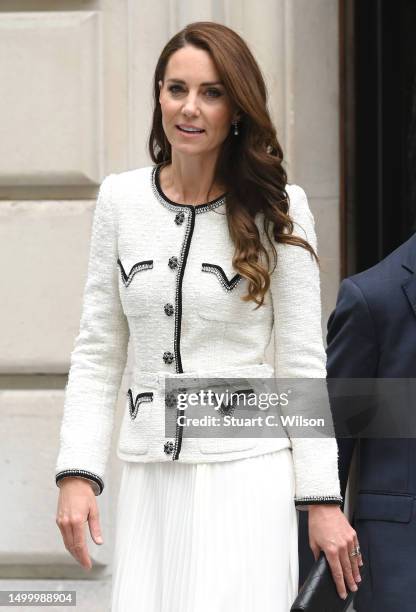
(300, 353)
(98, 358)
(351, 353)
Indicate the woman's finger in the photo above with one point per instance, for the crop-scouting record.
(359, 556)
(65, 527)
(315, 551)
(79, 547)
(337, 573)
(94, 524)
(354, 559)
(345, 560)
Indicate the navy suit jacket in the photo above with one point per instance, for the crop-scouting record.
(372, 333)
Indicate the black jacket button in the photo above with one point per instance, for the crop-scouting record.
(173, 262)
(226, 409)
(167, 357)
(168, 447)
(168, 309)
(180, 216)
(170, 400)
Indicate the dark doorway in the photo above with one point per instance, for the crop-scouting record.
(378, 73)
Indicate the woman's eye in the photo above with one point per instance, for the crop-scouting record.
(211, 93)
(216, 93)
(172, 87)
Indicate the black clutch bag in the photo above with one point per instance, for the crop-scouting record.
(319, 593)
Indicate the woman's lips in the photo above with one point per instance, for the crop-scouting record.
(191, 134)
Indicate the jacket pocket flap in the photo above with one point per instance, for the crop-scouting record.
(129, 268)
(384, 507)
(227, 283)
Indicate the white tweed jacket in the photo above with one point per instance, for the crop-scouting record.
(161, 274)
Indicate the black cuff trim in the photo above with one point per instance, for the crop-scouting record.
(330, 500)
(82, 474)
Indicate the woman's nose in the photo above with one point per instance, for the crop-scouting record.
(191, 105)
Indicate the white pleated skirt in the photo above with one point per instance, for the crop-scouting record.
(206, 537)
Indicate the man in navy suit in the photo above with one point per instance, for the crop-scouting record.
(372, 334)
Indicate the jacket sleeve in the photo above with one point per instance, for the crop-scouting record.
(299, 352)
(98, 358)
(352, 352)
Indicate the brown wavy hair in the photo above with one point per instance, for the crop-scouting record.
(250, 164)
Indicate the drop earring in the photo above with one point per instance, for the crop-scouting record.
(235, 124)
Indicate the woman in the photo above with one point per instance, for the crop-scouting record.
(179, 261)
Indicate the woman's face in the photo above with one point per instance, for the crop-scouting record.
(192, 95)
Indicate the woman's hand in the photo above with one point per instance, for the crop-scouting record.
(76, 506)
(330, 531)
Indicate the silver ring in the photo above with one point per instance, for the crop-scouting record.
(355, 552)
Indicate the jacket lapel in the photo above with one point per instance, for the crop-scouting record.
(409, 285)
